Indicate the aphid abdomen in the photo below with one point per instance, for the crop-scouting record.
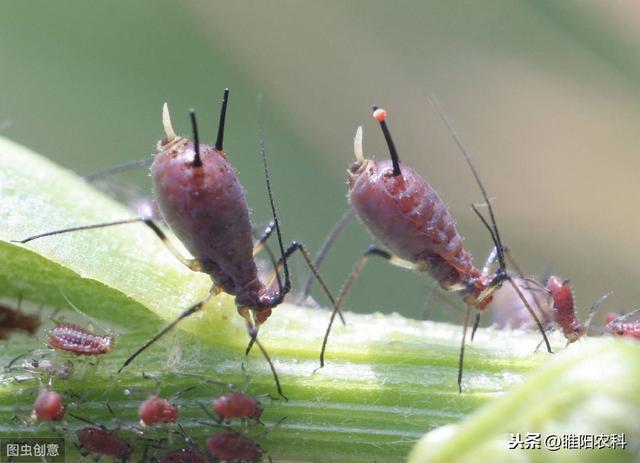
(206, 208)
(564, 307)
(409, 217)
(103, 442)
(72, 338)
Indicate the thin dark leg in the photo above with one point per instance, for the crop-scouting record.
(253, 334)
(90, 177)
(192, 264)
(293, 247)
(357, 269)
(464, 336)
(190, 311)
(324, 249)
(532, 313)
(475, 326)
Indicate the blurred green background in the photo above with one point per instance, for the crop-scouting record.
(545, 94)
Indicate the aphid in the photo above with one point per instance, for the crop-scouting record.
(103, 442)
(184, 455)
(48, 406)
(617, 325)
(404, 212)
(202, 201)
(12, 320)
(508, 311)
(155, 410)
(237, 404)
(61, 370)
(563, 308)
(233, 446)
(72, 338)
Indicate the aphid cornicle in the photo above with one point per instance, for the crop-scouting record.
(405, 213)
(201, 199)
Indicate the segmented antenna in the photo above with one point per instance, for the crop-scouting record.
(263, 153)
(495, 235)
(380, 115)
(223, 116)
(197, 161)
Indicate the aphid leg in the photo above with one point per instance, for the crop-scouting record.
(357, 269)
(476, 323)
(464, 336)
(264, 236)
(253, 334)
(92, 176)
(498, 253)
(192, 264)
(215, 290)
(324, 249)
(594, 309)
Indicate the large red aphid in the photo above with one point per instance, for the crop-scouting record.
(405, 213)
(12, 320)
(202, 201)
(48, 406)
(103, 442)
(237, 404)
(185, 455)
(155, 410)
(233, 446)
(73, 338)
(564, 308)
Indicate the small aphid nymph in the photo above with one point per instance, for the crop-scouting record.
(237, 404)
(73, 338)
(48, 406)
(231, 446)
(155, 410)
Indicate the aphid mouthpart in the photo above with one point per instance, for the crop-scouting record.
(381, 116)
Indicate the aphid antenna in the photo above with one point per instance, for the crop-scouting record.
(283, 289)
(380, 115)
(197, 161)
(501, 274)
(223, 116)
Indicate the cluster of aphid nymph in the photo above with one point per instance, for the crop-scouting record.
(201, 201)
(48, 374)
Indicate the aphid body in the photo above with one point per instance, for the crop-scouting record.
(73, 338)
(103, 442)
(12, 320)
(202, 201)
(231, 446)
(155, 410)
(617, 326)
(48, 406)
(405, 213)
(237, 404)
(564, 308)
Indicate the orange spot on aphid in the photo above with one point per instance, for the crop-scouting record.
(380, 115)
